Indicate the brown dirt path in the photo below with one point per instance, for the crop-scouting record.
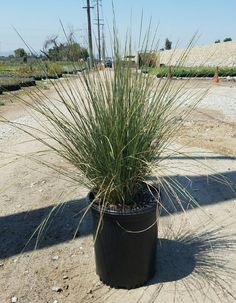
(191, 268)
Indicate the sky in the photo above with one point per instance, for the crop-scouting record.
(177, 20)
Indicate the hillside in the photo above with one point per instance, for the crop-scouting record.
(219, 54)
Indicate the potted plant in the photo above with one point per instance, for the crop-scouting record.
(113, 128)
(133, 119)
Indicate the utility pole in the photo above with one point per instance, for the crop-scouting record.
(99, 24)
(88, 7)
(103, 44)
(99, 36)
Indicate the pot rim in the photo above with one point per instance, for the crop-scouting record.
(149, 207)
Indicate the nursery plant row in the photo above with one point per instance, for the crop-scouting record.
(14, 77)
(190, 71)
(12, 84)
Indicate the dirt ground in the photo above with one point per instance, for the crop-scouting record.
(196, 260)
(211, 130)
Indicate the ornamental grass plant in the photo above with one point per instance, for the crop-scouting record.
(114, 128)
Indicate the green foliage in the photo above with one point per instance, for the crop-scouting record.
(15, 83)
(35, 71)
(179, 71)
(75, 52)
(149, 59)
(217, 41)
(21, 53)
(26, 69)
(67, 51)
(39, 69)
(168, 44)
(227, 39)
(112, 127)
(54, 68)
(56, 53)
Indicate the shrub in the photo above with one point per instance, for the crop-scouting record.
(168, 44)
(112, 128)
(54, 68)
(227, 39)
(10, 84)
(201, 71)
(26, 69)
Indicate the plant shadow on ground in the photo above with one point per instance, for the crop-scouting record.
(197, 258)
(16, 229)
(174, 261)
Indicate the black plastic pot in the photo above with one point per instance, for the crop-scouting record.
(10, 87)
(125, 246)
(27, 83)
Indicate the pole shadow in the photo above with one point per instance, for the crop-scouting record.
(202, 190)
(17, 229)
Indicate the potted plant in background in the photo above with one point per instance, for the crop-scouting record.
(114, 127)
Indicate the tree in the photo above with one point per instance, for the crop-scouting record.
(217, 41)
(56, 53)
(75, 52)
(168, 44)
(227, 39)
(70, 50)
(50, 41)
(67, 51)
(21, 53)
